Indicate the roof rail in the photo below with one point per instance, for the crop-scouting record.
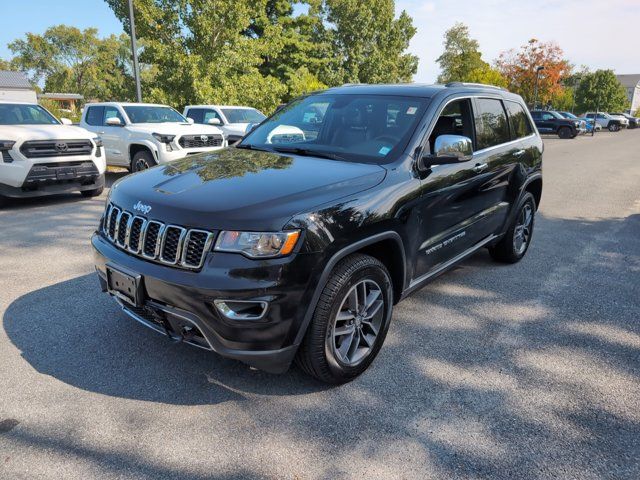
(470, 84)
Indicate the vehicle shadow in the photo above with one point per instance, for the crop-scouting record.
(502, 371)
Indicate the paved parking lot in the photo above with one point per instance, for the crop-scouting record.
(522, 371)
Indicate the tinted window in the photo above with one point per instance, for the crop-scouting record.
(455, 119)
(243, 115)
(95, 115)
(518, 120)
(153, 114)
(195, 114)
(491, 123)
(210, 114)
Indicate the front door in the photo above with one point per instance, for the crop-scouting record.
(114, 138)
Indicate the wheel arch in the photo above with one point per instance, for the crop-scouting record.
(136, 147)
(375, 246)
(534, 186)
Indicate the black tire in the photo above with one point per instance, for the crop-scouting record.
(96, 192)
(319, 354)
(565, 133)
(3, 201)
(142, 160)
(614, 127)
(507, 250)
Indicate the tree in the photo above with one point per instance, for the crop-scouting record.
(6, 64)
(487, 76)
(367, 43)
(601, 90)
(67, 59)
(461, 55)
(519, 67)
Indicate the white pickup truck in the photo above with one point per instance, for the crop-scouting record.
(232, 120)
(141, 135)
(40, 155)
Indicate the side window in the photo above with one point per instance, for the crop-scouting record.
(94, 116)
(547, 116)
(110, 112)
(491, 123)
(518, 120)
(209, 114)
(455, 119)
(195, 114)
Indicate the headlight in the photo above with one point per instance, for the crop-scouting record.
(98, 142)
(258, 244)
(162, 138)
(6, 144)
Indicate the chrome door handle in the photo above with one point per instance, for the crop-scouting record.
(480, 167)
(519, 153)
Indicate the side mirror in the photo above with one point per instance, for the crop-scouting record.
(214, 121)
(66, 121)
(190, 120)
(114, 122)
(250, 128)
(448, 149)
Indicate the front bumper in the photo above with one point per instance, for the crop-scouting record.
(175, 298)
(48, 183)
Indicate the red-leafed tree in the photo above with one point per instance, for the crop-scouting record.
(519, 67)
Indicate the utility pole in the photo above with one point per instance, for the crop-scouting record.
(575, 88)
(134, 52)
(535, 90)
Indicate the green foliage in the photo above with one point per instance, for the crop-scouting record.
(70, 60)
(57, 112)
(257, 52)
(601, 90)
(461, 57)
(487, 76)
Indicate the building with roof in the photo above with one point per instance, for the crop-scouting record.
(15, 86)
(631, 83)
(64, 101)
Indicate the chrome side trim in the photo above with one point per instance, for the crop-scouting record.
(417, 281)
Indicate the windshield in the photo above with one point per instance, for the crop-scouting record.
(16, 114)
(358, 128)
(152, 114)
(557, 115)
(243, 115)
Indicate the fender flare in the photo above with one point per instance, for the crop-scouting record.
(335, 258)
(142, 143)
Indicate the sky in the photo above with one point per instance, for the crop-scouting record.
(595, 33)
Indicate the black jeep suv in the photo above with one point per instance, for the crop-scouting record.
(297, 243)
(552, 122)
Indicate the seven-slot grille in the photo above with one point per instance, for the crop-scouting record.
(200, 141)
(56, 148)
(153, 240)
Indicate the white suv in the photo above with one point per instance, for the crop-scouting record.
(40, 155)
(233, 120)
(141, 135)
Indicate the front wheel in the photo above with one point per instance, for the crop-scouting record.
(565, 133)
(142, 160)
(350, 321)
(515, 243)
(614, 127)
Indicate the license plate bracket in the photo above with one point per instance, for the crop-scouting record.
(125, 285)
(66, 173)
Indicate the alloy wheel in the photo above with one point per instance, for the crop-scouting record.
(522, 232)
(357, 323)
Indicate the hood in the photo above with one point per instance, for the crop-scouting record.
(242, 189)
(174, 128)
(43, 132)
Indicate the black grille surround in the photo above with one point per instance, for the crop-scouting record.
(198, 141)
(56, 148)
(152, 240)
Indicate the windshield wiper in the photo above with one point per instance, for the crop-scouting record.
(248, 146)
(307, 152)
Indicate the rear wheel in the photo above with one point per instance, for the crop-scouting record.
(565, 132)
(350, 322)
(515, 243)
(142, 160)
(614, 127)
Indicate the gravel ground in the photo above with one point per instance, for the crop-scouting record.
(523, 371)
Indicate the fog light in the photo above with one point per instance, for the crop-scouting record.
(242, 309)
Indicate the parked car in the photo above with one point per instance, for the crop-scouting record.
(613, 124)
(232, 120)
(634, 122)
(40, 155)
(266, 252)
(589, 122)
(549, 121)
(138, 136)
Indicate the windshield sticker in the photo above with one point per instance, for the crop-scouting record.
(412, 110)
(384, 150)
